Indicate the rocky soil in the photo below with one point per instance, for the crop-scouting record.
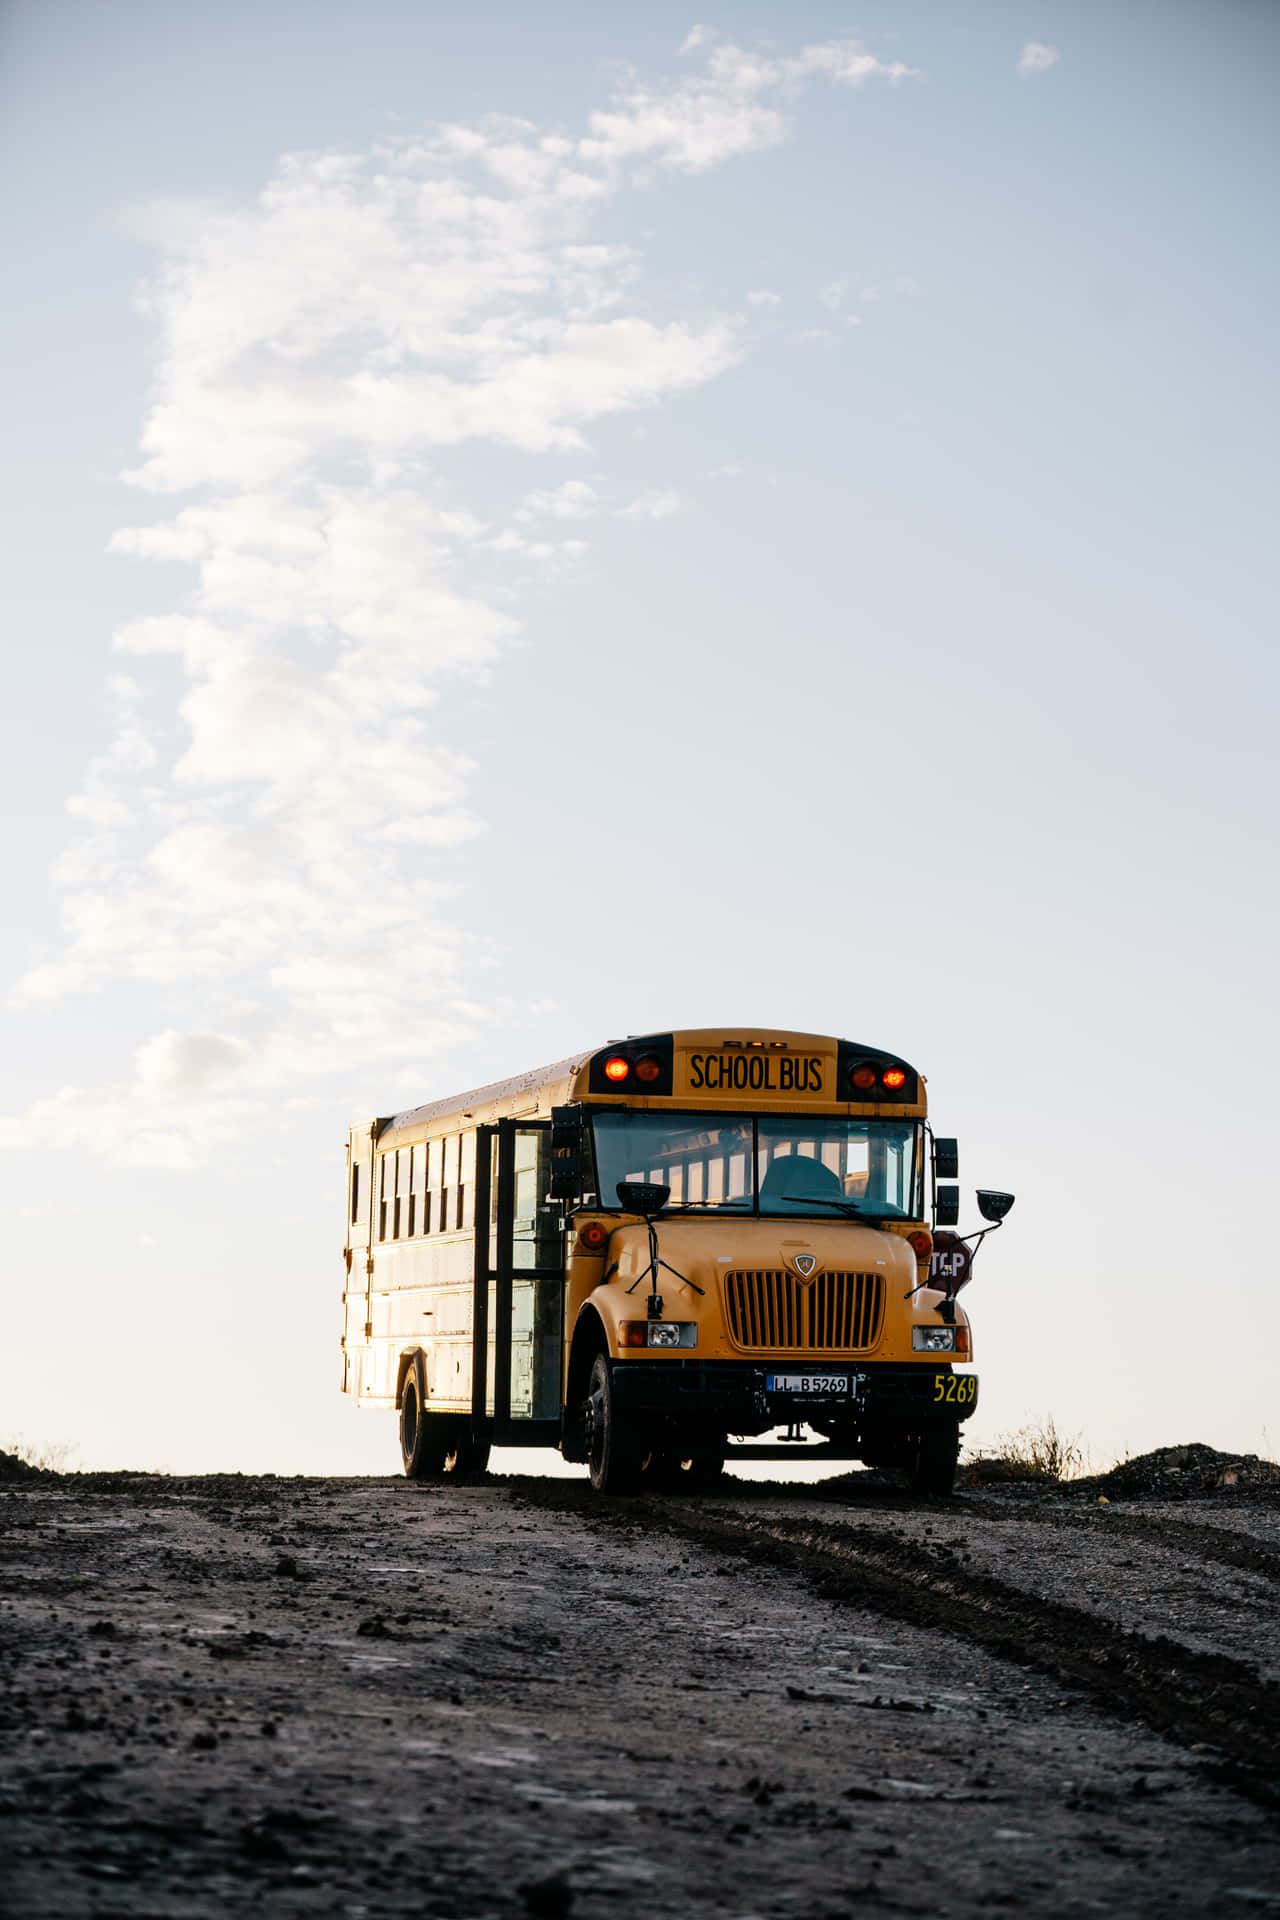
(507, 1698)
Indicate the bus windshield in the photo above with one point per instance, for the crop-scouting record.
(741, 1164)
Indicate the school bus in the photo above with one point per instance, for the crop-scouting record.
(650, 1255)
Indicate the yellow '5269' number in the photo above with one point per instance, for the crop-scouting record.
(958, 1387)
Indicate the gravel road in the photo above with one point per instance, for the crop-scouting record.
(508, 1698)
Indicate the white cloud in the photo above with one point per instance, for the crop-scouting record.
(1036, 57)
(695, 38)
(833, 294)
(572, 500)
(249, 852)
(659, 504)
(725, 111)
(763, 298)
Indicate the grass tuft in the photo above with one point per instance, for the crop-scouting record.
(1038, 1453)
(59, 1457)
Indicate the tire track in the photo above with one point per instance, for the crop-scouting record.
(1237, 1550)
(1198, 1700)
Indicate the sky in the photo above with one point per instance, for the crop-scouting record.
(532, 525)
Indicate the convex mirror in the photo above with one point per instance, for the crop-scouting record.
(643, 1196)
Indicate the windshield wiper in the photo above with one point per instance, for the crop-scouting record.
(737, 1207)
(846, 1207)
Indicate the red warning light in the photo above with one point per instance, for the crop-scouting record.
(617, 1068)
(863, 1077)
(648, 1068)
(894, 1077)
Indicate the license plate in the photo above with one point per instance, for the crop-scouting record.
(811, 1383)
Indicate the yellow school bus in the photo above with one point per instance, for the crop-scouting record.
(653, 1254)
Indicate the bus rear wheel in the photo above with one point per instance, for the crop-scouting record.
(466, 1455)
(935, 1454)
(424, 1439)
(614, 1453)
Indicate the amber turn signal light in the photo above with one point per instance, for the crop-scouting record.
(922, 1242)
(648, 1068)
(863, 1077)
(593, 1236)
(894, 1077)
(617, 1068)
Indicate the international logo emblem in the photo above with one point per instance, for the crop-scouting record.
(804, 1264)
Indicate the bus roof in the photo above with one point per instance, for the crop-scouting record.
(700, 1064)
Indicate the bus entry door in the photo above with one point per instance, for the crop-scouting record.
(520, 1283)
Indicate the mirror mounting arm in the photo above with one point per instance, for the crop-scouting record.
(979, 1235)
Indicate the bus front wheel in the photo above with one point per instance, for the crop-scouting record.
(613, 1448)
(935, 1454)
(424, 1442)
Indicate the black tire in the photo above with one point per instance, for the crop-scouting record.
(614, 1453)
(704, 1468)
(685, 1470)
(466, 1455)
(424, 1437)
(936, 1454)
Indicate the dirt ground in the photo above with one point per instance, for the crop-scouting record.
(506, 1697)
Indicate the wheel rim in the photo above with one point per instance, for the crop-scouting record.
(595, 1429)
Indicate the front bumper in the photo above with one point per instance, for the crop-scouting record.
(731, 1395)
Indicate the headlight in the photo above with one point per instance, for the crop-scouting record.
(663, 1333)
(933, 1339)
(657, 1333)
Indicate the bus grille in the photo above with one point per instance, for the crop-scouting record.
(834, 1311)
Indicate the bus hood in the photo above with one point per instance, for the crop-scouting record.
(703, 1250)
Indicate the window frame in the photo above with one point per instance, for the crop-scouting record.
(736, 1210)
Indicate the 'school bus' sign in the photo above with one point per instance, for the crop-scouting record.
(757, 1071)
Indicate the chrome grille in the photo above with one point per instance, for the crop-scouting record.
(833, 1312)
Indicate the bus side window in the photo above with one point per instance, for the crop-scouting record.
(417, 1191)
(467, 1182)
(403, 1162)
(355, 1192)
(448, 1178)
(385, 1181)
(430, 1175)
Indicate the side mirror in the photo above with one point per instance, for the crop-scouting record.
(946, 1206)
(642, 1196)
(946, 1159)
(993, 1206)
(565, 1171)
